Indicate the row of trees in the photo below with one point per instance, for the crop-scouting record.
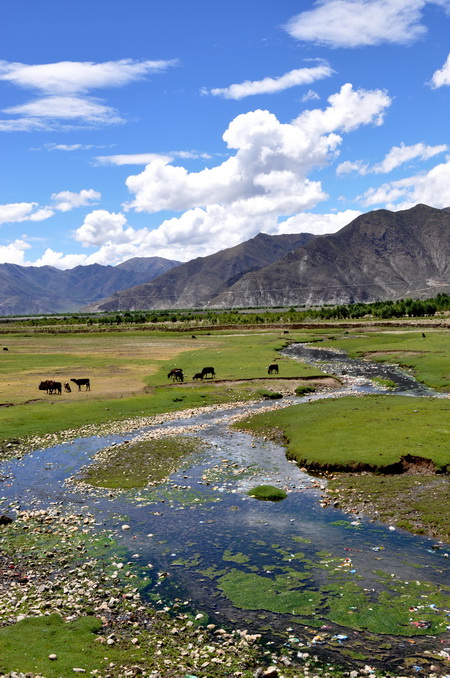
(403, 308)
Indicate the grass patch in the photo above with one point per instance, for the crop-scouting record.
(26, 646)
(136, 465)
(304, 390)
(370, 432)
(267, 493)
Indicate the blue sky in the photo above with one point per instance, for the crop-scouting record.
(177, 128)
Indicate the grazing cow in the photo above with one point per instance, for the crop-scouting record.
(197, 375)
(5, 348)
(51, 386)
(208, 371)
(67, 387)
(176, 374)
(272, 369)
(82, 382)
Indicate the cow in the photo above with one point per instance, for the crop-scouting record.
(272, 369)
(176, 374)
(67, 387)
(51, 386)
(82, 382)
(197, 375)
(5, 348)
(208, 371)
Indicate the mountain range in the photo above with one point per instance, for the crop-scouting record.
(380, 255)
(199, 281)
(45, 289)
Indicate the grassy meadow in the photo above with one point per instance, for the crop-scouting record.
(128, 373)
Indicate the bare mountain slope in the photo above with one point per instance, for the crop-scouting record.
(196, 282)
(379, 255)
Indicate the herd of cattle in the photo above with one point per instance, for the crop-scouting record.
(176, 374)
(51, 387)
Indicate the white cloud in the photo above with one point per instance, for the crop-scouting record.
(347, 167)
(356, 23)
(397, 156)
(23, 211)
(441, 77)
(319, 224)
(69, 147)
(70, 77)
(59, 260)
(14, 252)
(64, 86)
(131, 159)
(59, 107)
(348, 110)
(310, 95)
(146, 158)
(101, 227)
(67, 200)
(431, 188)
(299, 76)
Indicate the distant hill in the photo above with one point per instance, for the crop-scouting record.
(197, 282)
(380, 255)
(45, 289)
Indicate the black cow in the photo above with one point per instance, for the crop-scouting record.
(176, 374)
(82, 382)
(272, 369)
(67, 387)
(198, 375)
(51, 386)
(208, 372)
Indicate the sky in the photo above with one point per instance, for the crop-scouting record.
(178, 128)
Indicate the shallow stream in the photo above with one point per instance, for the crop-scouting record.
(300, 574)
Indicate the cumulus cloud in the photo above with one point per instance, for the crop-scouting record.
(64, 86)
(23, 211)
(268, 172)
(397, 156)
(67, 200)
(319, 224)
(101, 226)
(14, 253)
(441, 77)
(430, 188)
(298, 76)
(357, 23)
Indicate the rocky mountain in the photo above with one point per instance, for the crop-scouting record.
(45, 289)
(380, 255)
(197, 282)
